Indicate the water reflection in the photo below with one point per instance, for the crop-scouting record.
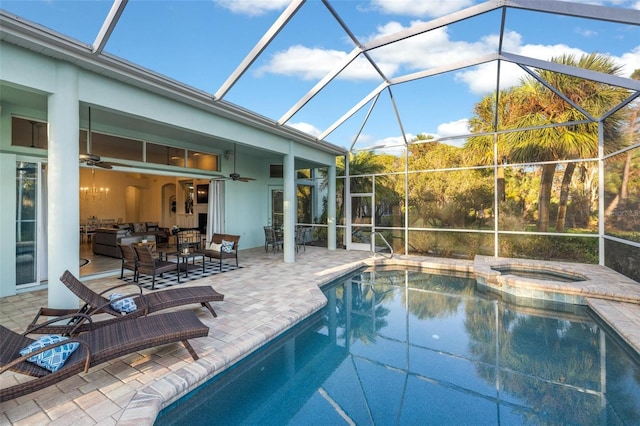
(407, 347)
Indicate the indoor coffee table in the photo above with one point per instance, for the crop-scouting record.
(183, 259)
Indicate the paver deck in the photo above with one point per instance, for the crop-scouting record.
(263, 299)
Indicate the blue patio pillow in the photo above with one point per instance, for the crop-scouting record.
(227, 246)
(125, 305)
(54, 358)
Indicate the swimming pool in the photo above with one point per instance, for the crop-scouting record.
(422, 347)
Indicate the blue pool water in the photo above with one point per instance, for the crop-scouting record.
(422, 348)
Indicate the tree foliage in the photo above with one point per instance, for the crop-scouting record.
(533, 149)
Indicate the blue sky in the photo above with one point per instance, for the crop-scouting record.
(201, 42)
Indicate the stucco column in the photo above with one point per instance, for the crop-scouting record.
(64, 179)
(331, 209)
(290, 208)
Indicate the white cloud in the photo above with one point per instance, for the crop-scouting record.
(482, 79)
(422, 52)
(585, 32)
(631, 60)
(252, 7)
(306, 127)
(390, 145)
(313, 64)
(454, 128)
(394, 144)
(422, 8)
(428, 50)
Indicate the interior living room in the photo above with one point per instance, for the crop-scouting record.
(119, 200)
(117, 204)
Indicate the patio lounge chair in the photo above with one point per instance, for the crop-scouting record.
(96, 303)
(97, 346)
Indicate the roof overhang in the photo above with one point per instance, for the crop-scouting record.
(34, 37)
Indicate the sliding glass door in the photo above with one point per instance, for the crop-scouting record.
(27, 178)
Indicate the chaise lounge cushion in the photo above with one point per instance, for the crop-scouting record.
(53, 358)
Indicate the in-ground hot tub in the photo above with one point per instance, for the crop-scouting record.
(539, 273)
(533, 279)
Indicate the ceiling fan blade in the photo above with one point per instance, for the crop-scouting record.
(245, 179)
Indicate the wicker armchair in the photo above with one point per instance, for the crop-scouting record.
(209, 252)
(129, 260)
(149, 265)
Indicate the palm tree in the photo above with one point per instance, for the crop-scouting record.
(578, 141)
(632, 137)
(479, 149)
(532, 105)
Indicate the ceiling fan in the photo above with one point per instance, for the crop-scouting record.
(93, 159)
(236, 176)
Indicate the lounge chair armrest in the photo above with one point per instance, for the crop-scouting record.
(55, 312)
(46, 348)
(81, 319)
(50, 312)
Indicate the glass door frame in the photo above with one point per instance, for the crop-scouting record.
(271, 208)
(39, 249)
(355, 240)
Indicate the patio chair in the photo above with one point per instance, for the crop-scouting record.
(190, 239)
(96, 347)
(271, 239)
(129, 260)
(96, 303)
(214, 249)
(149, 265)
(301, 238)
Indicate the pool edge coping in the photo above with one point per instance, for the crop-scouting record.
(145, 406)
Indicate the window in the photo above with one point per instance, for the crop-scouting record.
(29, 133)
(275, 171)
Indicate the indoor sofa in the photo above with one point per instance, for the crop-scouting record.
(106, 240)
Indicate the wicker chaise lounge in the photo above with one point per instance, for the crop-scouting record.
(96, 303)
(97, 346)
